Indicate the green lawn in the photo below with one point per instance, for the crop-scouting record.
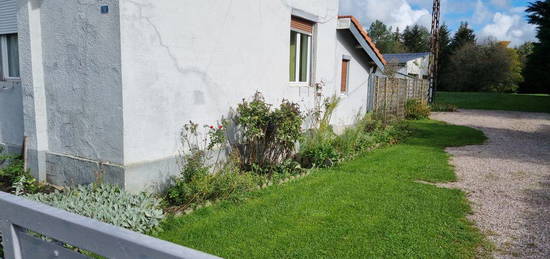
(496, 101)
(369, 207)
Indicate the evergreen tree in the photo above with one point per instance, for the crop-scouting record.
(378, 31)
(444, 40)
(463, 36)
(538, 63)
(524, 51)
(416, 38)
(384, 38)
(444, 52)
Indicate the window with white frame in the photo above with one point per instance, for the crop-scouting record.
(300, 51)
(9, 56)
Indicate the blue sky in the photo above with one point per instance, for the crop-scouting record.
(500, 19)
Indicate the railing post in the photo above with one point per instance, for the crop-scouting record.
(10, 240)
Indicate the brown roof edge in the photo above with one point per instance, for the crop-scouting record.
(366, 36)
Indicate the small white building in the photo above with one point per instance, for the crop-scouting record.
(411, 65)
(102, 88)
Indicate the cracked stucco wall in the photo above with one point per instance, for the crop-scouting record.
(82, 79)
(109, 93)
(194, 60)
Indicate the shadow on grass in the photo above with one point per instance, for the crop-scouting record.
(497, 101)
(440, 134)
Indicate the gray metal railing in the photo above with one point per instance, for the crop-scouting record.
(18, 216)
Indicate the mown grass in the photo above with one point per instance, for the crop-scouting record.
(496, 101)
(369, 207)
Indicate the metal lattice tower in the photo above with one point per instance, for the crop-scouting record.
(434, 59)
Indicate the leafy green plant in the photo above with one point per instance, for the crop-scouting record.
(13, 177)
(265, 136)
(319, 154)
(317, 148)
(11, 168)
(323, 148)
(226, 183)
(289, 167)
(27, 184)
(416, 110)
(443, 107)
(138, 212)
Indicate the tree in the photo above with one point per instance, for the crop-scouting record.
(416, 38)
(385, 40)
(378, 31)
(489, 67)
(444, 52)
(524, 50)
(538, 63)
(463, 36)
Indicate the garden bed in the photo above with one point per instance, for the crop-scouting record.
(368, 207)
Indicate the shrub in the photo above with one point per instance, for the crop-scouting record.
(323, 148)
(443, 107)
(416, 110)
(265, 137)
(318, 149)
(226, 183)
(137, 212)
(11, 169)
(288, 167)
(13, 177)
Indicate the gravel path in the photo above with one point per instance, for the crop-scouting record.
(507, 179)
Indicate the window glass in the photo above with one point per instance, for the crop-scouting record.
(13, 55)
(293, 49)
(304, 57)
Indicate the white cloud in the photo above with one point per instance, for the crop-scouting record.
(395, 13)
(509, 27)
(481, 13)
(501, 3)
(518, 10)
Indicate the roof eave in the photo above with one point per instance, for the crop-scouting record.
(351, 24)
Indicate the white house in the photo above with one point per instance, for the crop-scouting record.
(101, 88)
(412, 65)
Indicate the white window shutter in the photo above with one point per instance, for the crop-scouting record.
(8, 16)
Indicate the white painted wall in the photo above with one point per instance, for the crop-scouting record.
(418, 66)
(353, 103)
(193, 60)
(118, 87)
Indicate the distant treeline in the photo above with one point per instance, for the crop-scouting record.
(467, 64)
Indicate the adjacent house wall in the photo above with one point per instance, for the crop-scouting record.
(353, 103)
(81, 59)
(11, 102)
(11, 116)
(418, 66)
(194, 60)
(70, 66)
